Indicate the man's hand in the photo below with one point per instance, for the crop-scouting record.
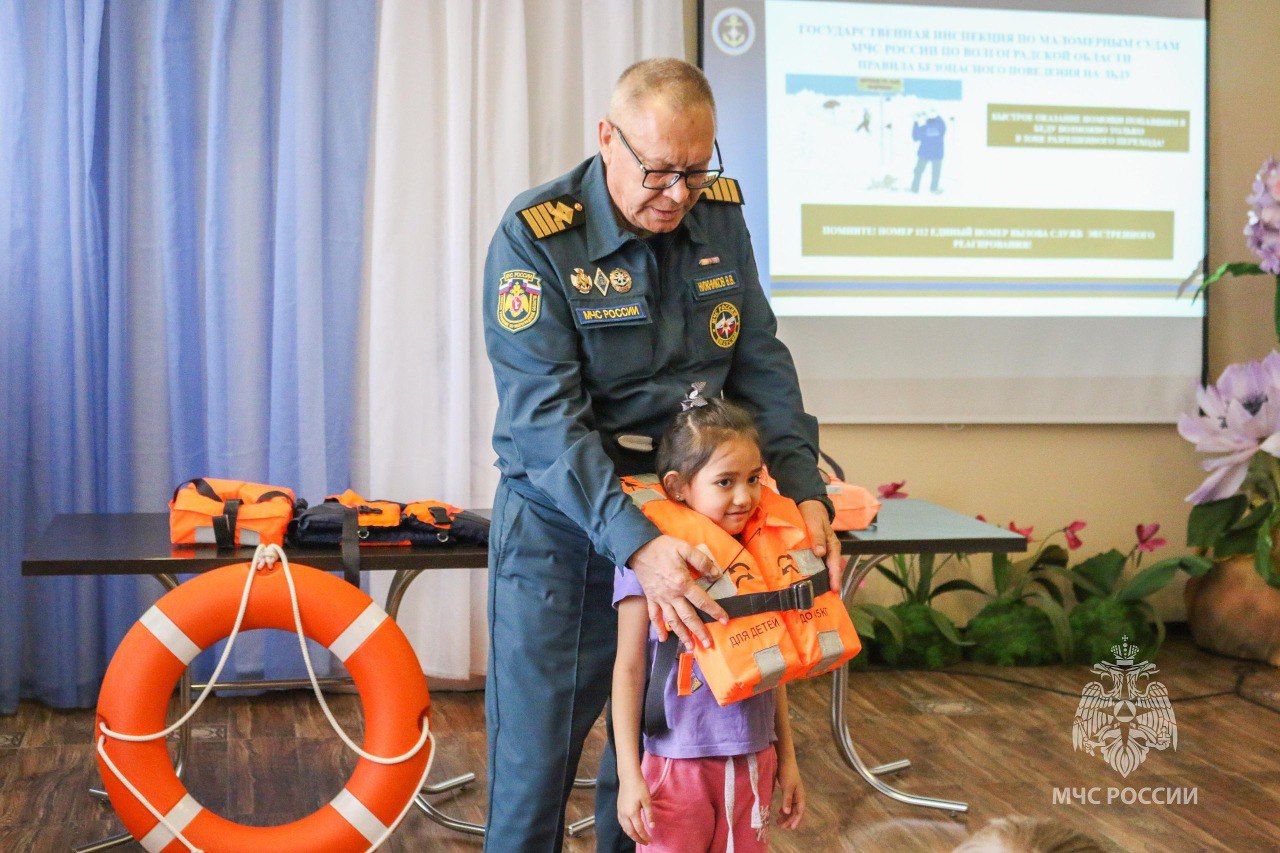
(662, 567)
(825, 543)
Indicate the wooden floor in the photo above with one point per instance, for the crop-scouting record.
(999, 738)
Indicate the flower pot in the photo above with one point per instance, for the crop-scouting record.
(1234, 612)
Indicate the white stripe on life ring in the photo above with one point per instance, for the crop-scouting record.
(357, 632)
(179, 817)
(170, 635)
(359, 816)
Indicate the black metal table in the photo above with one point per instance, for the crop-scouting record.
(138, 543)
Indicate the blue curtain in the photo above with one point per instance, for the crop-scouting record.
(181, 224)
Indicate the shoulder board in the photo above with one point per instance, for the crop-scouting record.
(553, 216)
(724, 189)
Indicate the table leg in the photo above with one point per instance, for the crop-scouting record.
(856, 572)
(104, 843)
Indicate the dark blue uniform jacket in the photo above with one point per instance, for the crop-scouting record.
(595, 335)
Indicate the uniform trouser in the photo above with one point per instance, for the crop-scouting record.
(552, 637)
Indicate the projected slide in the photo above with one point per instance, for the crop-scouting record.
(982, 161)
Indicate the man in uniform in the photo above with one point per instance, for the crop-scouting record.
(609, 292)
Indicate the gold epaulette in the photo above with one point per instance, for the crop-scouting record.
(553, 216)
(724, 189)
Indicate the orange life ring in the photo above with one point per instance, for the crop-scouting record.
(146, 667)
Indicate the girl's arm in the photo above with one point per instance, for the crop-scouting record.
(793, 796)
(635, 809)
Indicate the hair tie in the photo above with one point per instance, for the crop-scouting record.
(694, 398)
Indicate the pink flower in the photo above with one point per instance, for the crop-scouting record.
(890, 491)
(1025, 531)
(1147, 539)
(1070, 531)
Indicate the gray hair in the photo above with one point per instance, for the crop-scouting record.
(674, 80)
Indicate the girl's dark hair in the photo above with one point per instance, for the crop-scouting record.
(694, 435)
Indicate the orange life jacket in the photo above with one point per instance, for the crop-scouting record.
(229, 513)
(855, 506)
(785, 620)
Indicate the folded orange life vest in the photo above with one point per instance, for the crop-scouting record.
(785, 620)
(856, 507)
(229, 513)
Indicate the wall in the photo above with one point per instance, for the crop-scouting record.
(1113, 477)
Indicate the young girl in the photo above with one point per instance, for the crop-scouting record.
(706, 783)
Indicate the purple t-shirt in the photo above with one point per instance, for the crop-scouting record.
(698, 726)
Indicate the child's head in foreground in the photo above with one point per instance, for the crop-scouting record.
(709, 459)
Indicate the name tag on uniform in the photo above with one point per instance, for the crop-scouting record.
(713, 286)
(627, 312)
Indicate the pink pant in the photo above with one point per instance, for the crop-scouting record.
(689, 803)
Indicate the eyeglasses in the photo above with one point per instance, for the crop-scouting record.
(662, 179)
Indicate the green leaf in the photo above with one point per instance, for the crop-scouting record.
(948, 628)
(1079, 582)
(1226, 270)
(1145, 608)
(895, 578)
(1262, 562)
(1047, 557)
(1275, 316)
(885, 617)
(1049, 587)
(1102, 569)
(863, 622)
(1000, 572)
(1195, 565)
(1058, 620)
(1254, 517)
(926, 578)
(1151, 579)
(954, 585)
(1208, 521)
(1052, 555)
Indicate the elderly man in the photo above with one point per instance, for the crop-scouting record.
(608, 292)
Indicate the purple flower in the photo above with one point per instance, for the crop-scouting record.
(1263, 231)
(1241, 416)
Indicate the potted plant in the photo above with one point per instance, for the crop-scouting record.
(927, 639)
(1024, 622)
(1235, 608)
(1108, 608)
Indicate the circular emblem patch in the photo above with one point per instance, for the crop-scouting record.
(733, 31)
(725, 324)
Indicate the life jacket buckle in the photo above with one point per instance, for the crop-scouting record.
(801, 595)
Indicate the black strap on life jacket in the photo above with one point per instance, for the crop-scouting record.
(655, 708)
(835, 466)
(224, 526)
(799, 596)
(351, 545)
